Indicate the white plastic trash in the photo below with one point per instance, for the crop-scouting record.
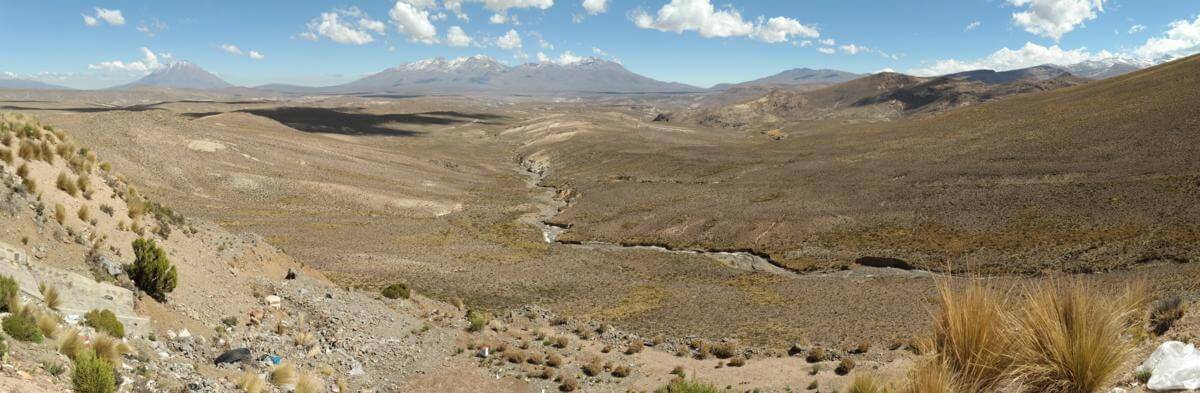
(1173, 366)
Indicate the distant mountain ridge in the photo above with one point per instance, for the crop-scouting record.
(28, 84)
(483, 74)
(797, 77)
(179, 75)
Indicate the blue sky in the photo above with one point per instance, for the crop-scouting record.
(95, 44)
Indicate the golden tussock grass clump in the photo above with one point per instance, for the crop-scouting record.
(60, 213)
(969, 334)
(48, 324)
(283, 374)
(71, 343)
(84, 213)
(66, 184)
(109, 348)
(309, 383)
(929, 376)
(866, 383)
(1059, 336)
(251, 382)
(50, 296)
(1068, 338)
(304, 339)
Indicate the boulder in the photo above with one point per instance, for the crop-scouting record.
(233, 356)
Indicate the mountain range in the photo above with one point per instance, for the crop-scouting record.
(179, 75)
(484, 75)
(28, 84)
(796, 77)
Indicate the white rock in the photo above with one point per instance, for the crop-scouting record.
(183, 334)
(1173, 366)
(273, 301)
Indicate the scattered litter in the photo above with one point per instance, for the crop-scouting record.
(1173, 366)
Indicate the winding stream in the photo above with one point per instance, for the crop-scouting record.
(550, 203)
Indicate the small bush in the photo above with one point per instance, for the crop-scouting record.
(621, 371)
(477, 319)
(1164, 313)
(845, 366)
(23, 328)
(816, 355)
(634, 347)
(92, 374)
(60, 213)
(84, 213)
(593, 368)
(554, 360)
(725, 350)
(6, 156)
(568, 384)
(680, 385)
(151, 270)
(562, 341)
(8, 290)
(23, 171)
(104, 321)
(737, 361)
(396, 291)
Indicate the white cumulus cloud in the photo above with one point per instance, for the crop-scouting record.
(413, 22)
(455, 36)
(255, 55)
(1181, 39)
(595, 7)
(231, 49)
(333, 26)
(1006, 59)
(828, 51)
(781, 29)
(1136, 29)
(150, 61)
(1053, 18)
(102, 16)
(510, 41)
(973, 25)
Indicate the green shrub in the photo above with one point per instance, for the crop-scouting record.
(478, 320)
(104, 321)
(680, 385)
(8, 289)
(396, 291)
(93, 374)
(151, 270)
(23, 328)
